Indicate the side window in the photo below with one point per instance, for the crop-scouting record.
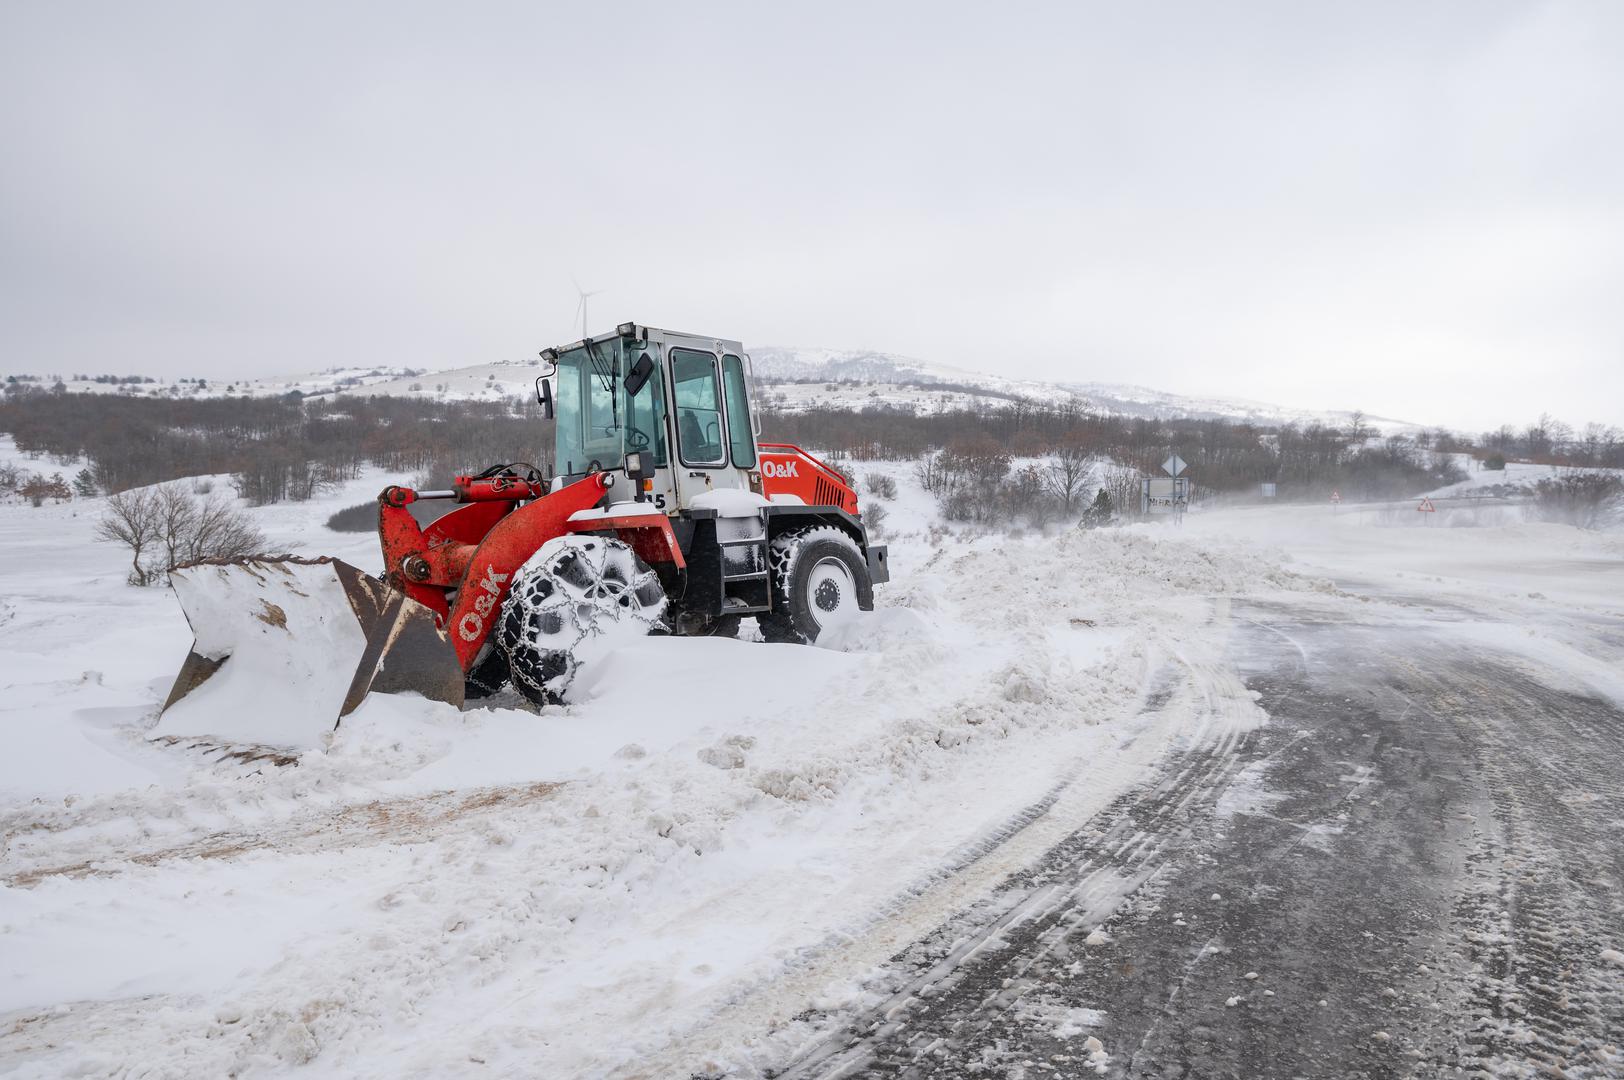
(699, 407)
(645, 418)
(740, 439)
(570, 436)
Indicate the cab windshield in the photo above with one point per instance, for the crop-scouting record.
(598, 422)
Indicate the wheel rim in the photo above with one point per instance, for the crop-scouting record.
(831, 591)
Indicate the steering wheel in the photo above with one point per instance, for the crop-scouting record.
(636, 438)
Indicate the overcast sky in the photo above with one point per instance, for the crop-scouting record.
(1416, 209)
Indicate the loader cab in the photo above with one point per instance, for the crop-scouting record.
(769, 531)
(680, 402)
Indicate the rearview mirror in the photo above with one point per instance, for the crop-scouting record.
(544, 396)
(638, 376)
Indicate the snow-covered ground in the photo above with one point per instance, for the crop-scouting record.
(659, 878)
(1517, 476)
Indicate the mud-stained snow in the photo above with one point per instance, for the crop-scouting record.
(656, 879)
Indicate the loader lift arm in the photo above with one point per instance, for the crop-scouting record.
(461, 566)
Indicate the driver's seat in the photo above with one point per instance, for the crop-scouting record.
(693, 439)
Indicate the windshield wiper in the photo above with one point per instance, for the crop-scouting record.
(601, 367)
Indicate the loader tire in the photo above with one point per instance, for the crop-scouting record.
(819, 577)
(488, 675)
(574, 596)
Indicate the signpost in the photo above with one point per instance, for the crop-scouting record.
(1336, 500)
(1168, 494)
(1426, 506)
(1268, 490)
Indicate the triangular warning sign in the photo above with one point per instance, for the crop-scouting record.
(1426, 506)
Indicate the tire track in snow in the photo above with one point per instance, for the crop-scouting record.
(1076, 886)
(1543, 897)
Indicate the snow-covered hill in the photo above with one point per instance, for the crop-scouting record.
(791, 378)
(832, 377)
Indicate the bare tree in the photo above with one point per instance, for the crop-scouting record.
(176, 514)
(132, 520)
(1066, 475)
(166, 526)
(1122, 484)
(220, 531)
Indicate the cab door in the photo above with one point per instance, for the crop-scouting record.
(699, 420)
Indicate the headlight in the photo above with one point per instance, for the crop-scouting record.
(634, 464)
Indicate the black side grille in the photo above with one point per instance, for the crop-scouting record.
(826, 493)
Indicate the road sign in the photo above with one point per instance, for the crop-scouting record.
(1268, 490)
(1164, 495)
(1336, 496)
(1426, 506)
(1173, 465)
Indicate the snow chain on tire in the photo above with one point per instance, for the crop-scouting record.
(573, 589)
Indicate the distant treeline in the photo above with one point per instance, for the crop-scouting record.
(1304, 462)
(273, 448)
(1548, 441)
(291, 447)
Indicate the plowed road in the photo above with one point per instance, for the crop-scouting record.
(1414, 868)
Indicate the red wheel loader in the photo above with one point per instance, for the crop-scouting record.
(666, 514)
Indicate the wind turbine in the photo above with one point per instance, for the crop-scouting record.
(580, 306)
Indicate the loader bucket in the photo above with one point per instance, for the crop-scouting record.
(285, 647)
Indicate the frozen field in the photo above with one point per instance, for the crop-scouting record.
(711, 863)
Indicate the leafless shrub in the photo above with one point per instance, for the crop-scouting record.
(11, 476)
(928, 471)
(1027, 498)
(1586, 500)
(974, 472)
(882, 485)
(36, 489)
(166, 526)
(874, 515)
